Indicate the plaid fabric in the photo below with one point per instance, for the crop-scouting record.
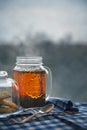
(52, 120)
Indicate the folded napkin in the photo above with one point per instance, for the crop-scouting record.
(52, 120)
(64, 105)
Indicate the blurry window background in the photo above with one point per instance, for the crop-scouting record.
(53, 29)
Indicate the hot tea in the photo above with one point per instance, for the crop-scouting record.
(32, 87)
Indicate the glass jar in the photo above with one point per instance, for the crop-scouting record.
(33, 80)
(9, 94)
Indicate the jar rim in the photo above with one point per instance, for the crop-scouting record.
(29, 60)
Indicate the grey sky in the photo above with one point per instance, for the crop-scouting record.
(53, 17)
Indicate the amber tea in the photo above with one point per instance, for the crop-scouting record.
(32, 87)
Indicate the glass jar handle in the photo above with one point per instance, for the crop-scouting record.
(48, 82)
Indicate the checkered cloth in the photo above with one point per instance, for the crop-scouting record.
(54, 120)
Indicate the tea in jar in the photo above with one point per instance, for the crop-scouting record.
(31, 77)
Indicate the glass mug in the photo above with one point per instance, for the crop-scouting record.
(34, 81)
